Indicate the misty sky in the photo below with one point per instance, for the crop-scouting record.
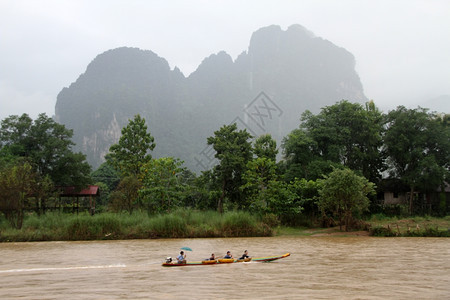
(402, 47)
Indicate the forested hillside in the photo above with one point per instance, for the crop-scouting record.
(265, 90)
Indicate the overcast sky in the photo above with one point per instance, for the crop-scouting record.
(402, 47)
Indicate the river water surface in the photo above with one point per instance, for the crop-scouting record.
(318, 268)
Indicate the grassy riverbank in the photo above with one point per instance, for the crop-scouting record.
(382, 226)
(414, 226)
(194, 224)
(110, 226)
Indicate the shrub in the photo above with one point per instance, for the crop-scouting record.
(382, 231)
(271, 220)
(239, 223)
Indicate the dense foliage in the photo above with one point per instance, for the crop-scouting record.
(233, 150)
(36, 157)
(162, 188)
(344, 195)
(346, 134)
(417, 145)
(132, 150)
(332, 165)
(47, 146)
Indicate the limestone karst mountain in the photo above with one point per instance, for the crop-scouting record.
(265, 90)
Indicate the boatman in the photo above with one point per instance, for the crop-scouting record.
(181, 259)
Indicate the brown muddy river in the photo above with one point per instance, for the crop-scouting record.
(318, 268)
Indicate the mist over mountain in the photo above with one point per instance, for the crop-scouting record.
(265, 90)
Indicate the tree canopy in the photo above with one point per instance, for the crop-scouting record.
(344, 194)
(417, 146)
(233, 150)
(133, 148)
(350, 145)
(346, 134)
(47, 146)
(162, 186)
(265, 147)
(17, 183)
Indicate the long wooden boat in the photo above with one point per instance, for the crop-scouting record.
(192, 263)
(224, 261)
(244, 260)
(206, 262)
(270, 258)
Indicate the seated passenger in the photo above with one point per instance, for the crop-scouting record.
(228, 255)
(213, 257)
(245, 255)
(181, 259)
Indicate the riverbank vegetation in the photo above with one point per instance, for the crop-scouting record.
(200, 224)
(336, 169)
(420, 226)
(138, 225)
(380, 225)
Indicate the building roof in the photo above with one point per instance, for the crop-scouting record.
(70, 191)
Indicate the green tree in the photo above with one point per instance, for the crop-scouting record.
(301, 157)
(6, 155)
(48, 147)
(132, 150)
(307, 193)
(15, 135)
(42, 190)
(107, 174)
(344, 194)
(233, 150)
(71, 170)
(107, 178)
(103, 200)
(281, 200)
(162, 187)
(204, 191)
(125, 197)
(17, 183)
(444, 120)
(417, 145)
(265, 194)
(257, 177)
(265, 147)
(345, 133)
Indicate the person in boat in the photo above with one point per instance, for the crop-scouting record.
(213, 257)
(228, 255)
(245, 255)
(181, 259)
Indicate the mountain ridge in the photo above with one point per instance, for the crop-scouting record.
(293, 70)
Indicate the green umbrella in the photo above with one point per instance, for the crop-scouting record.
(186, 248)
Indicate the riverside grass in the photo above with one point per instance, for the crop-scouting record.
(139, 225)
(188, 223)
(417, 226)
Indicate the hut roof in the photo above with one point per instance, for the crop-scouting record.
(71, 191)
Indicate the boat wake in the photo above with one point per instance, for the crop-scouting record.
(62, 268)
